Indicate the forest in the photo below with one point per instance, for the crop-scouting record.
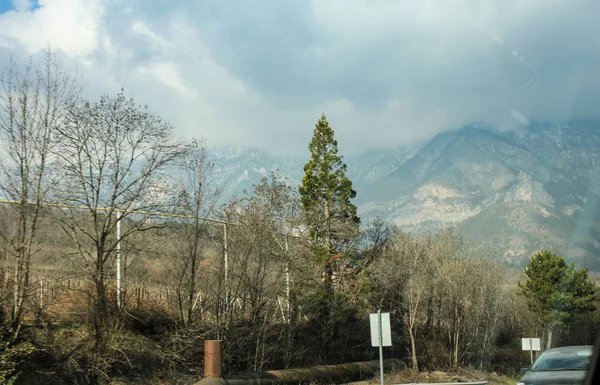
(118, 258)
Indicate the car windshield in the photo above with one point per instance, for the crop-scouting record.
(563, 360)
(207, 189)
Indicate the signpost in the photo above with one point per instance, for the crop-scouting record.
(381, 335)
(531, 344)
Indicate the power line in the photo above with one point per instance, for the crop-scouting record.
(149, 213)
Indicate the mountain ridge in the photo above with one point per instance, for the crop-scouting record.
(536, 187)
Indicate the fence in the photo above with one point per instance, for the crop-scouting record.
(51, 287)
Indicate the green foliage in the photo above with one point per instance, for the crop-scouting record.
(326, 192)
(557, 291)
(11, 355)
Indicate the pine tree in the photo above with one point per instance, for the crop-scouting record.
(556, 292)
(325, 195)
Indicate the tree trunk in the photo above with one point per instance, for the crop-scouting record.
(16, 287)
(328, 273)
(483, 350)
(430, 315)
(193, 267)
(456, 336)
(192, 287)
(413, 348)
(21, 267)
(549, 341)
(99, 316)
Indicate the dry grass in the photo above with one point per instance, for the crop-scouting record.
(462, 375)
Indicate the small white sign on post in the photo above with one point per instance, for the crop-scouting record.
(386, 331)
(381, 335)
(531, 344)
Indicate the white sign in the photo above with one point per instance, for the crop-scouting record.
(386, 331)
(531, 344)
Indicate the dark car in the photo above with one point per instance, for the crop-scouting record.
(565, 366)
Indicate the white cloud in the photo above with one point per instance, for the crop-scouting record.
(168, 74)
(140, 28)
(384, 71)
(69, 25)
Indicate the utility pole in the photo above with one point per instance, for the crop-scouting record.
(119, 304)
(287, 281)
(226, 268)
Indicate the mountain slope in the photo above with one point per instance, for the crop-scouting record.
(535, 188)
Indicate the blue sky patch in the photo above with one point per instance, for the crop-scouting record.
(8, 5)
(5, 6)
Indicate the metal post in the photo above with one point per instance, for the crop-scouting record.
(212, 358)
(287, 282)
(119, 260)
(531, 349)
(380, 345)
(226, 268)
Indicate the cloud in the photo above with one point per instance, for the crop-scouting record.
(68, 25)
(168, 74)
(259, 73)
(22, 5)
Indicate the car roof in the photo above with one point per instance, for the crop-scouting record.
(567, 349)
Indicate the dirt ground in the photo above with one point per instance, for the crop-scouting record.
(462, 375)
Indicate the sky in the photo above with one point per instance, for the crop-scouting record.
(258, 73)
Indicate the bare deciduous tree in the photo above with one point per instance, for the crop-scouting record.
(116, 157)
(415, 255)
(196, 198)
(33, 104)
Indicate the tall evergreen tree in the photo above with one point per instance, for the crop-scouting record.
(556, 292)
(325, 195)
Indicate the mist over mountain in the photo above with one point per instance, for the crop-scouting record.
(536, 187)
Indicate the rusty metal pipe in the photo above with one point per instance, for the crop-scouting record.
(331, 374)
(212, 358)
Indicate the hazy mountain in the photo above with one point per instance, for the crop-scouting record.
(237, 170)
(538, 187)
